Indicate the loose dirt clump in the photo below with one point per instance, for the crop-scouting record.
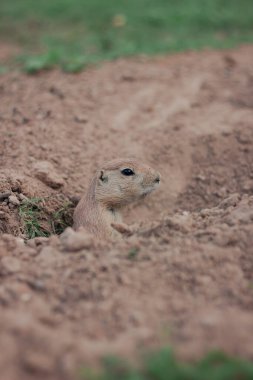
(184, 278)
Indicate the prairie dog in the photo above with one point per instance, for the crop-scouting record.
(115, 185)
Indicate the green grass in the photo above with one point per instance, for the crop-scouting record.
(74, 33)
(133, 252)
(30, 212)
(61, 218)
(38, 221)
(163, 366)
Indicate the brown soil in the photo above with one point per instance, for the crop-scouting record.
(8, 52)
(185, 278)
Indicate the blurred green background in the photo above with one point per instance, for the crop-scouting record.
(73, 33)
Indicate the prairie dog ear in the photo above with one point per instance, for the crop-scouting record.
(103, 176)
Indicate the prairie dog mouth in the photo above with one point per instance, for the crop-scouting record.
(147, 190)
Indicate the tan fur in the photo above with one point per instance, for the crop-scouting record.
(108, 192)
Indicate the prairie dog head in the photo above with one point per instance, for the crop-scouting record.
(124, 181)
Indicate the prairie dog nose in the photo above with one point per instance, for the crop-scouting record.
(158, 178)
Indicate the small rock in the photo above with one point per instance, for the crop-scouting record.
(49, 257)
(248, 186)
(37, 285)
(47, 174)
(38, 362)
(2, 215)
(75, 241)
(243, 138)
(230, 62)
(5, 296)
(226, 133)
(4, 195)
(242, 214)
(123, 279)
(18, 118)
(54, 241)
(128, 77)
(26, 297)
(37, 241)
(74, 199)
(22, 197)
(204, 212)
(13, 242)
(10, 264)
(57, 92)
(221, 193)
(14, 200)
(136, 318)
(200, 177)
(31, 243)
(232, 200)
(81, 119)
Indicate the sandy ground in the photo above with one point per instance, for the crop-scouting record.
(185, 278)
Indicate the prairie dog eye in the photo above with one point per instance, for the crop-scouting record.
(127, 172)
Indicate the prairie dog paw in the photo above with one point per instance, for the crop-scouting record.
(123, 228)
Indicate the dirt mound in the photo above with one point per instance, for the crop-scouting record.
(185, 277)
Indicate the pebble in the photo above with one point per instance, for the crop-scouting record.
(10, 264)
(232, 200)
(22, 197)
(47, 174)
(14, 200)
(26, 297)
(37, 285)
(248, 186)
(74, 199)
(48, 257)
(4, 195)
(75, 241)
(37, 241)
(38, 362)
(2, 215)
(200, 177)
(81, 118)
